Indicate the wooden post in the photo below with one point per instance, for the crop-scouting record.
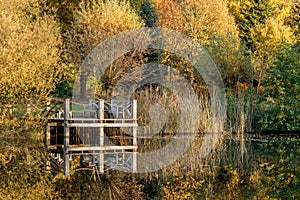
(48, 106)
(101, 120)
(66, 137)
(28, 107)
(48, 134)
(134, 129)
(134, 117)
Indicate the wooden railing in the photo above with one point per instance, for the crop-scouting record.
(100, 114)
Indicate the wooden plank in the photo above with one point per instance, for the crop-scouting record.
(101, 117)
(134, 162)
(119, 120)
(134, 129)
(84, 119)
(134, 134)
(97, 120)
(66, 138)
(98, 148)
(101, 109)
(101, 162)
(134, 110)
(102, 125)
(96, 153)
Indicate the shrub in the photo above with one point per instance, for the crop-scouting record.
(280, 100)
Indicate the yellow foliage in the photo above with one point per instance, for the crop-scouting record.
(206, 19)
(94, 23)
(98, 21)
(22, 164)
(182, 186)
(268, 39)
(29, 51)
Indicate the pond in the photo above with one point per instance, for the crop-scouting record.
(249, 166)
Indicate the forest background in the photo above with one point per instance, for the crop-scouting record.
(254, 43)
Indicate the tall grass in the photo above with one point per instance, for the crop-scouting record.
(227, 160)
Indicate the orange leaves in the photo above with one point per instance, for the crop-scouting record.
(169, 14)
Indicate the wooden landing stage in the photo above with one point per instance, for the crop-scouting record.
(87, 129)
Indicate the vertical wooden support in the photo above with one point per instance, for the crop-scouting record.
(134, 130)
(134, 162)
(66, 137)
(48, 105)
(47, 142)
(134, 118)
(101, 120)
(28, 108)
(48, 135)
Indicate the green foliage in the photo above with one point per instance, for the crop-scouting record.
(250, 13)
(279, 171)
(148, 13)
(281, 99)
(272, 173)
(66, 79)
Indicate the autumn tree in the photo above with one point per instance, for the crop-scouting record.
(251, 13)
(29, 52)
(29, 69)
(169, 14)
(293, 19)
(64, 11)
(268, 39)
(264, 31)
(95, 22)
(210, 24)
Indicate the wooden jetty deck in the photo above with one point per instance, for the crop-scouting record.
(82, 129)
